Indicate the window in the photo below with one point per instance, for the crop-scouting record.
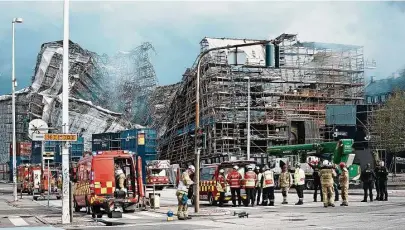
(207, 173)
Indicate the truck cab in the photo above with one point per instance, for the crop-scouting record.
(157, 173)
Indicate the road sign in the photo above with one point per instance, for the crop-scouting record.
(54, 137)
(48, 155)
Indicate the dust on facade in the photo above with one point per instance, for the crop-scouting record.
(288, 103)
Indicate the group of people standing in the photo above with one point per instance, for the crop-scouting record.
(378, 177)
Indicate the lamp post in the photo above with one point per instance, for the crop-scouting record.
(13, 85)
(197, 114)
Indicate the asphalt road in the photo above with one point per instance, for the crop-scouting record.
(311, 215)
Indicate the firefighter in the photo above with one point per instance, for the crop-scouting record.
(182, 193)
(344, 183)
(234, 180)
(285, 181)
(250, 184)
(377, 189)
(299, 182)
(317, 181)
(268, 186)
(221, 187)
(259, 184)
(120, 176)
(367, 177)
(327, 173)
(382, 178)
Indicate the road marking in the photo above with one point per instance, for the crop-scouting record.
(17, 221)
(151, 214)
(129, 216)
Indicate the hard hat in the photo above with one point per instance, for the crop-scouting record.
(250, 167)
(221, 171)
(257, 168)
(325, 162)
(235, 167)
(192, 168)
(342, 164)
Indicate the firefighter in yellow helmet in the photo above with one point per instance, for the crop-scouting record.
(327, 173)
(344, 183)
(182, 193)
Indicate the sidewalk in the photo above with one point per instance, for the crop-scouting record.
(393, 193)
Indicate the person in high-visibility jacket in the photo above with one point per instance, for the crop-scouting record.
(182, 193)
(327, 173)
(221, 187)
(344, 183)
(285, 182)
(234, 180)
(299, 182)
(259, 184)
(250, 179)
(268, 186)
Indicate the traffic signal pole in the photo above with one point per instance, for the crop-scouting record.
(197, 148)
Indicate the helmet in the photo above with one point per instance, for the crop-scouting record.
(235, 167)
(250, 167)
(342, 164)
(257, 168)
(192, 168)
(221, 171)
(325, 163)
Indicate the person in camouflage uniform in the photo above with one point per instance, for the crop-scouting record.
(344, 183)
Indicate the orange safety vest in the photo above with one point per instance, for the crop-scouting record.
(234, 179)
(250, 179)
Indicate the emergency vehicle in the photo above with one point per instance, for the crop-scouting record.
(35, 172)
(157, 171)
(24, 179)
(96, 183)
(209, 178)
(49, 180)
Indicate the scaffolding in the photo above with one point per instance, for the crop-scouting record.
(287, 103)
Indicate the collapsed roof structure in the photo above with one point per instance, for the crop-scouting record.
(287, 101)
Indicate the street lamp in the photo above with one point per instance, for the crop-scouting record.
(13, 85)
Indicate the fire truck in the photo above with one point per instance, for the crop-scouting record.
(96, 185)
(157, 173)
(50, 183)
(209, 178)
(24, 179)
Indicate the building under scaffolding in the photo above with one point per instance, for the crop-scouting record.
(287, 103)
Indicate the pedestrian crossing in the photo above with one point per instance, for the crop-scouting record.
(21, 222)
(142, 215)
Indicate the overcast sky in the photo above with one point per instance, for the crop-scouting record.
(176, 28)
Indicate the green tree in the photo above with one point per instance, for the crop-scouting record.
(389, 124)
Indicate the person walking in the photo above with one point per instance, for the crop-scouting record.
(344, 183)
(367, 177)
(182, 193)
(382, 178)
(268, 186)
(285, 181)
(250, 184)
(317, 180)
(221, 186)
(299, 182)
(234, 180)
(327, 173)
(259, 184)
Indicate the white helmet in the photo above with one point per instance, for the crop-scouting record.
(326, 163)
(235, 167)
(192, 168)
(221, 171)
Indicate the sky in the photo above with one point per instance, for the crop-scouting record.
(175, 29)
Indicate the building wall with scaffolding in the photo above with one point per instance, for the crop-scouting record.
(287, 103)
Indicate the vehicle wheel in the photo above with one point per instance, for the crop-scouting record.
(211, 200)
(309, 184)
(76, 207)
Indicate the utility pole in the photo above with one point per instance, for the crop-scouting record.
(65, 116)
(13, 85)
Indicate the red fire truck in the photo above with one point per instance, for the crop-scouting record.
(157, 173)
(209, 177)
(24, 179)
(49, 183)
(96, 183)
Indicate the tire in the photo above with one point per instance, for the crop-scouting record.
(211, 200)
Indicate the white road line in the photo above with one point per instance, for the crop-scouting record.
(17, 221)
(151, 214)
(130, 216)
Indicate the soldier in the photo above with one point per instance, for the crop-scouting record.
(317, 180)
(299, 182)
(221, 187)
(367, 177)
(268, 186)
(250, 184)
(182, 193)
(382, 178)
(259, 184)
(377, 189)
(344, 183)
(285, 181)
(234, 178)
(327, 173)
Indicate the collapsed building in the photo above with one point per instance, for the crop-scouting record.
(288, 100)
